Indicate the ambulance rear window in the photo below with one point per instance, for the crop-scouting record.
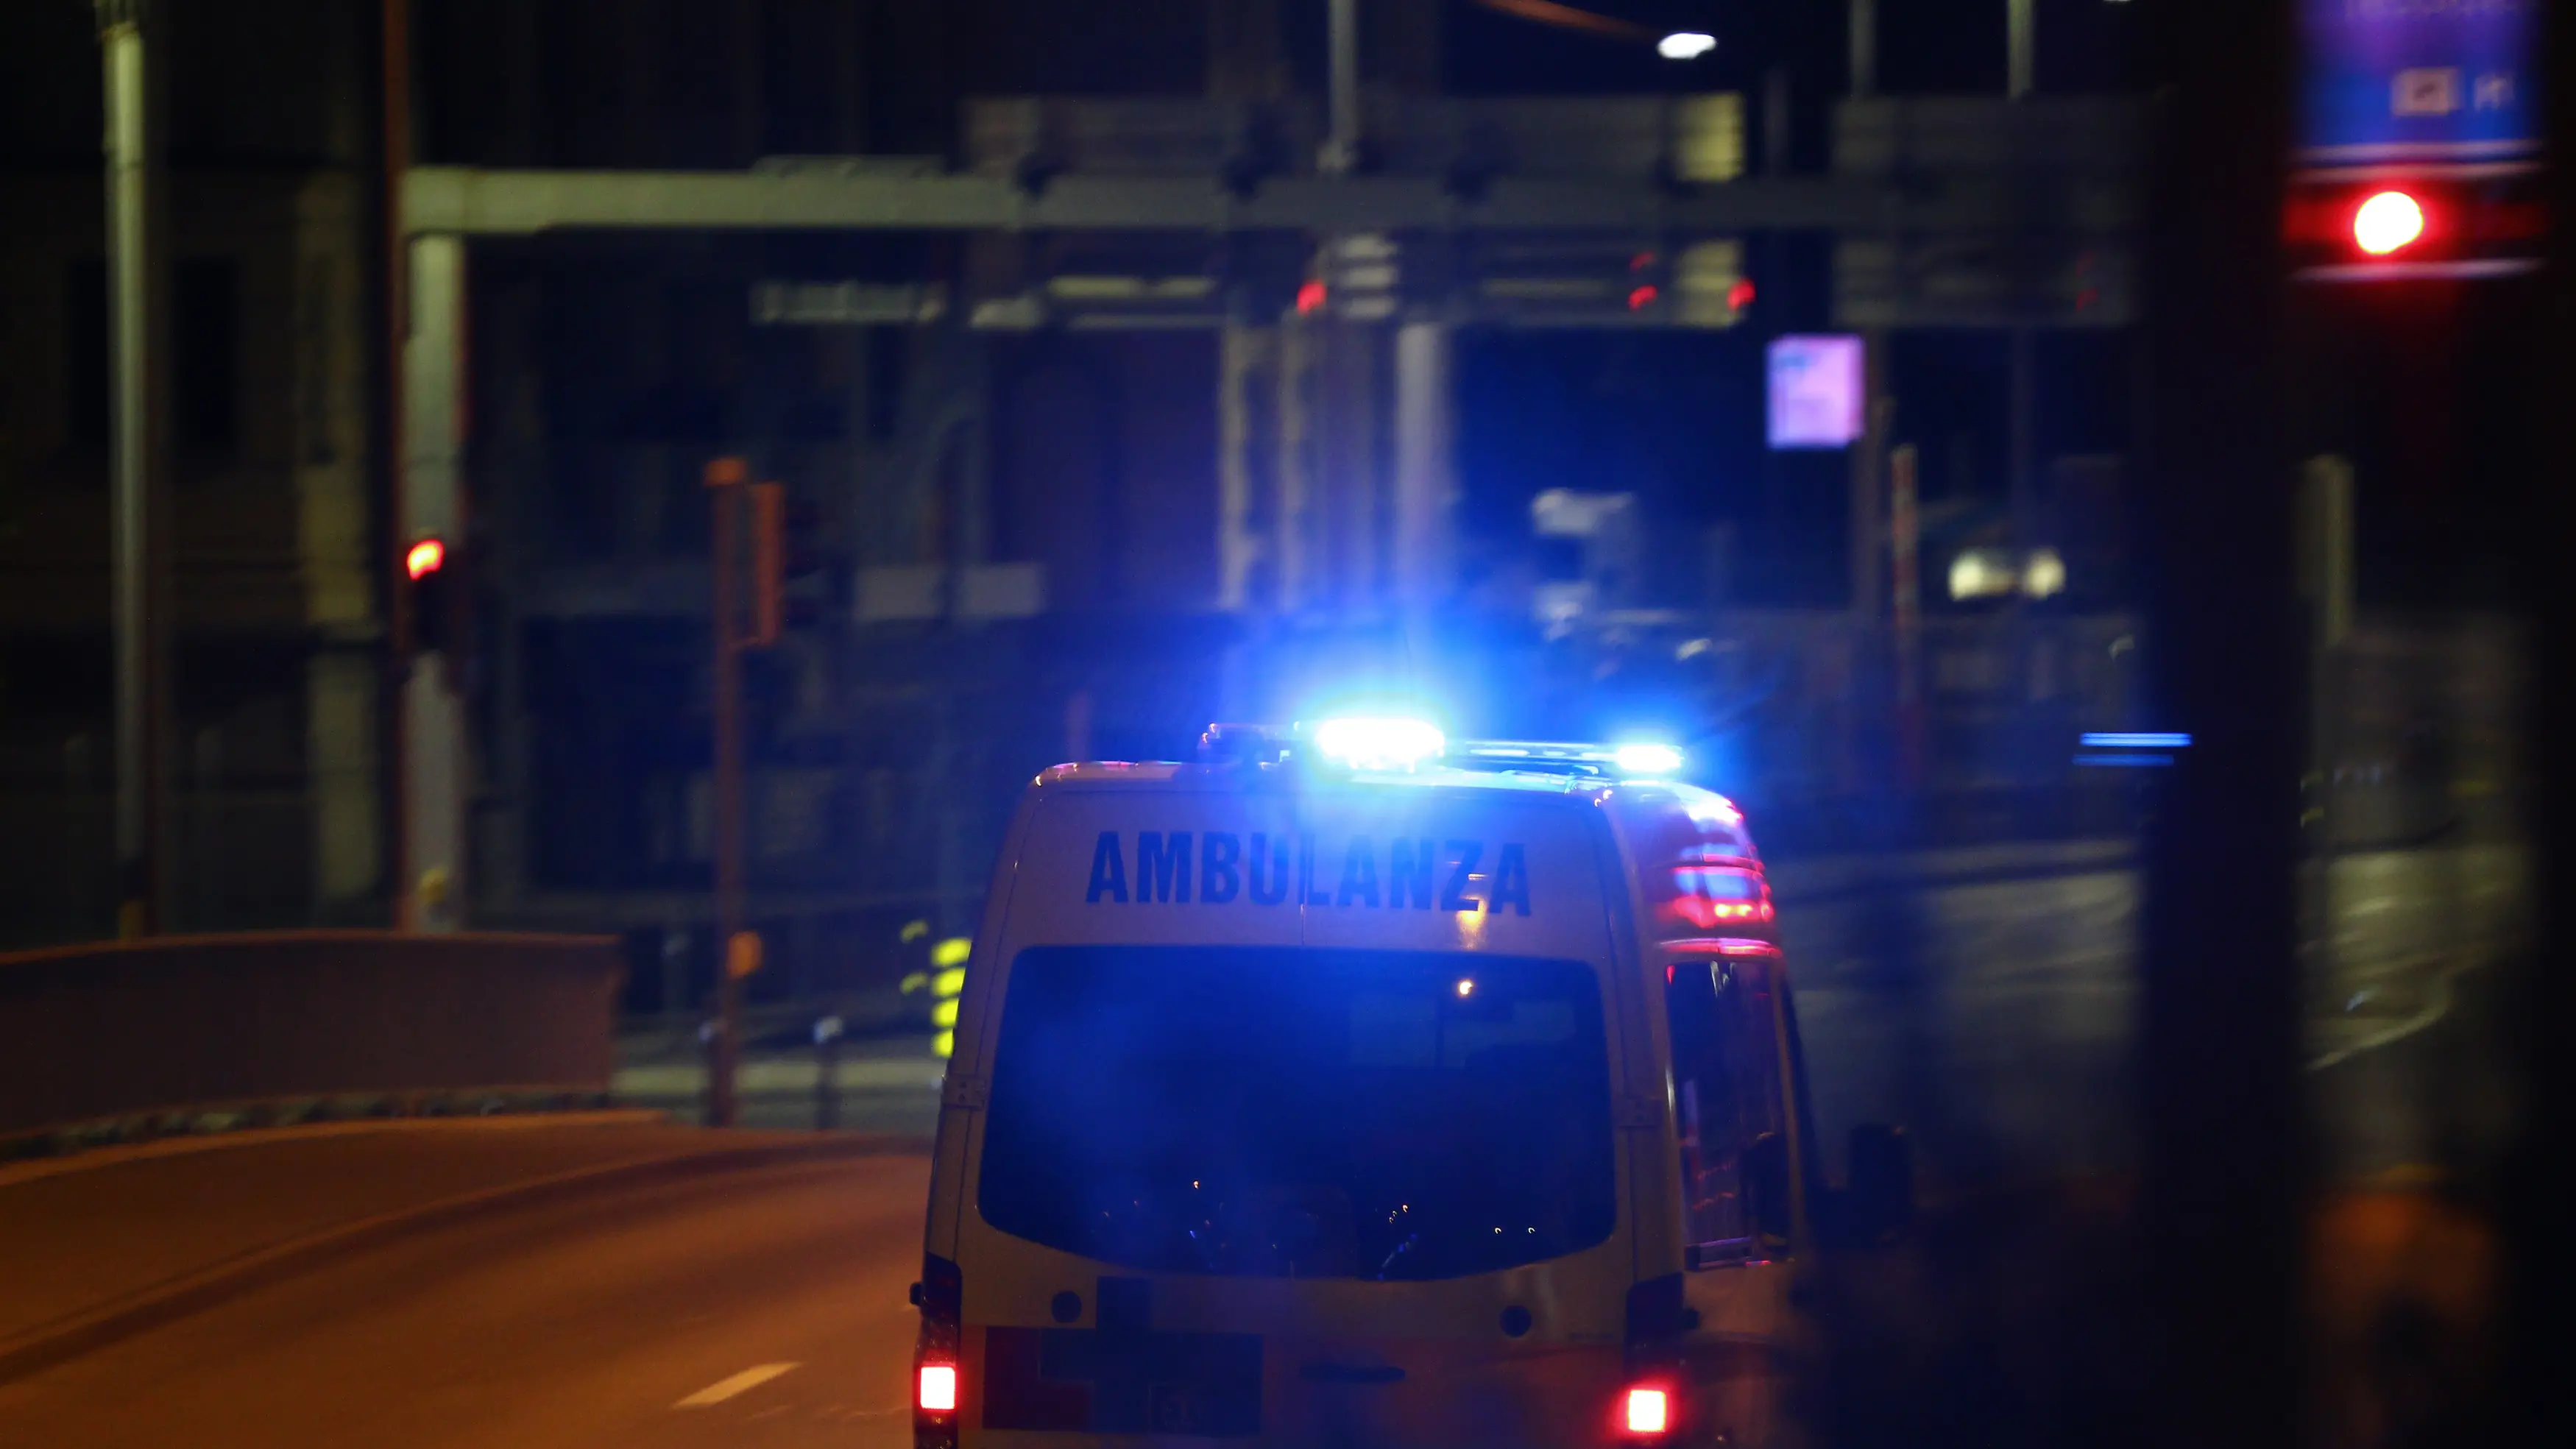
(1306, 1113)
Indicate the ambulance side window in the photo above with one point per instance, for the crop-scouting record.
(1725, 1090)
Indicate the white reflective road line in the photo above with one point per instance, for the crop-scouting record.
(723, 1389)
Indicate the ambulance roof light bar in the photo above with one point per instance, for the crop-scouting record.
(1402, 743)
(1640, 759)
(1378, 742)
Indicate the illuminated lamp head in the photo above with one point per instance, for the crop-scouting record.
(2387, 222)
(1379, 742)
(1646, 760)
(424, 558)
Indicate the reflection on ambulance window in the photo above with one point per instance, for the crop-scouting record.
(1300, 1113)
(1726, 1087)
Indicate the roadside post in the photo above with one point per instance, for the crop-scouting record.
(729, 491)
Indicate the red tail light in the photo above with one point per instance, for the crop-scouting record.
(1707, 897)
(941, 1295)
(1647, 1412)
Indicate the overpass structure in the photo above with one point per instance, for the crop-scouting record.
(1334, 297)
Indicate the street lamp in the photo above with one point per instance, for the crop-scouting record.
(1685, 45)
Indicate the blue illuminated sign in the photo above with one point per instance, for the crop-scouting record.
(2419, 81)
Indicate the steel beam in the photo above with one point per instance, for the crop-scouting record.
(477, 202)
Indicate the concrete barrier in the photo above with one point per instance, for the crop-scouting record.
(117, 1029)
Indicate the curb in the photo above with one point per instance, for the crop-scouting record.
(95, 1328)
(93, 1159)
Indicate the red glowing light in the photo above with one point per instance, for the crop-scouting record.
(424, 558)
(1641, 261)
(2386, 222)
(1648, 1411)
(1708, 897)
(939, 1387)
(1310, 297)
(1740, 296)
(1641, 298)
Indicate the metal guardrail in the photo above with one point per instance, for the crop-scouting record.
(116, 1029)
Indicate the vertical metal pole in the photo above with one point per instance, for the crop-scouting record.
(2021, 61)
(2022, 379)
(396, 81)
(1341, 147)
(1868, 598)
(1426, 484)
(1776, 122)
(1864, 48)
(140, 464)
(725, 490)
(431, 503)
(1904, 536)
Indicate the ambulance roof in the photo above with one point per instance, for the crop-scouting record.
(1119, 774)
(1683, 808)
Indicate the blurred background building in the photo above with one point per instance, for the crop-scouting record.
(1165, 433)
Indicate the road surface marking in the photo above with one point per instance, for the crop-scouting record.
(723, 1389)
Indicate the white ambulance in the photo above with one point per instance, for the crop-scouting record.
(1354, 1087)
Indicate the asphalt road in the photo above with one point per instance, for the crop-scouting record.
(750, 1308)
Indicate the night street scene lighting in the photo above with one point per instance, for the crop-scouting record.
(1461, 723)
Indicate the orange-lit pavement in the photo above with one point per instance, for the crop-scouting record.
(735, 1303)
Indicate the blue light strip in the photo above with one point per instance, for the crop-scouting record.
(2133, 741)
(2127, 761)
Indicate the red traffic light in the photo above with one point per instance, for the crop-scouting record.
(2386, 222)
(2424, 224)
(424, 558)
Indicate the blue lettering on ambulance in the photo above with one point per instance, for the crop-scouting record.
(1269, 870)
(1511, 881)
(1359, 873)
(1226, 871)
(1162, 874)
(1454, 897)
(1219, 880)
(1408, 874)
(1306, 891)
(1108, 871)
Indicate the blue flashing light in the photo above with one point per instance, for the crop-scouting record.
(2126, 761)
(2130, 740)
(1645, 759)
(1379, 743)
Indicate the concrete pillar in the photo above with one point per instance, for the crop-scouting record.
(1868, 495)
(1290, 534)
(336, 546)
(2021, 59)
(1426, 481)
(1246, 361)
(1864, 48)
(1349, 487)
(431, 890)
